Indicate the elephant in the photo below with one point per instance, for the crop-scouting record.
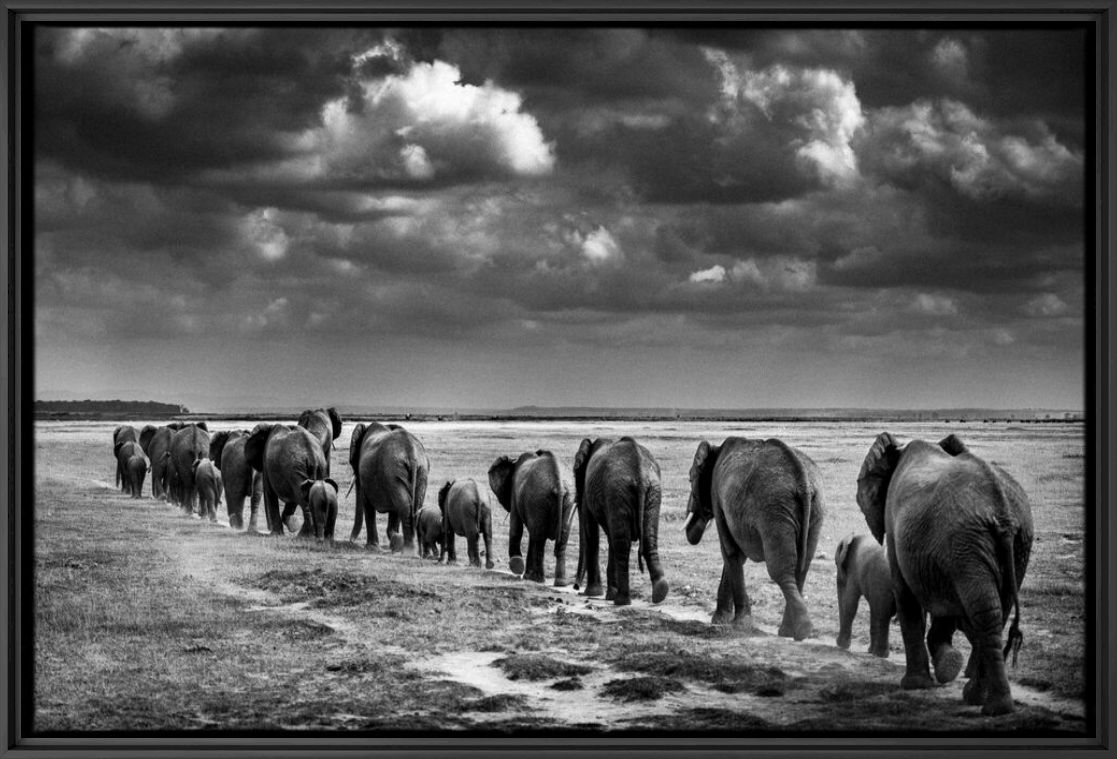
(465, 511)
(531, 490)
(617, 487)
(156, 442)
(125, 433)
(321, 498)
(959, 535)
(390, 467)
(187, 446)
(288, 456)
(324, 424)
(428, 532)
(766, 499)
(863, 571)
(207, 484)
(239, 478)
(134, 465)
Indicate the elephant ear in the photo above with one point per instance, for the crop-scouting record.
(442, 492)
(216, 446)
(331, 483)
(305, 487)
(117, 446)
(500, 480)
(146, 434)
(581, 459)
(873, 481)
(202, 426)
(335, 420)
(256, 444)
(355, 446)
(705, 456)
(953, 445)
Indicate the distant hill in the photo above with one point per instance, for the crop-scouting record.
(105, 409)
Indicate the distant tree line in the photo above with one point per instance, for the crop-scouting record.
(135, 408)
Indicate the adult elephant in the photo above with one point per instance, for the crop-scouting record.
(125, 433)
(240, 480)
(465, 511)
(531, 490)
(187, 446)
(617, 488)
(390, 467)
(287, 457)
(134, 465)
(324, 424)
(766, 499)
(156, 443)
(959, 537)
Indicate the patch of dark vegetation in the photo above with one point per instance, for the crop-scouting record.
(501, 702)
(572, 683)
(301, 629)
(324, 588)
(538, 667)
(80, 561)
(726, 674)
(1078, 455)
(387, 665)
(441, 696)
(642, 688)
(711, 718)
(1037, 683)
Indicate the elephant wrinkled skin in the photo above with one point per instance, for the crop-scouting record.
(959, 535)
(617, 486)
(766, 499)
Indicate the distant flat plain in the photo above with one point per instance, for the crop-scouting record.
(149, 619)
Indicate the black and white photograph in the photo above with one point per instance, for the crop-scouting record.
(560, 379)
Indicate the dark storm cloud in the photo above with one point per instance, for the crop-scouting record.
(835, 191)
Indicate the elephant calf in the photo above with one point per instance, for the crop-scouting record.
(321, 497)
(133, 465)
(465, 512)
(207, 484)
(863, 571)
(428, 532)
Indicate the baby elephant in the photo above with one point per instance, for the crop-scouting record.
(207, 481)
(465, 512)
(320, 497)
(428, 531)
(863, 571)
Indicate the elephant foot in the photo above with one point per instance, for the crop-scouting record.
(842, 642)
(593, 590)
(721, 618)
(916, 682)
(659, 590)
(489, 565)
(610, 593)
(995, 706)
(451, 562)
(947, 663)
(562, 582)
(516, 564)
(534, 576)
(973, 694)
(620, 600)
(881, 652)
(396, 543)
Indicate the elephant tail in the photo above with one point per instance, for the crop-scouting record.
(1015, 637)
(805, 493)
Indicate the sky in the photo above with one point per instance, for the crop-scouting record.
(489, 218)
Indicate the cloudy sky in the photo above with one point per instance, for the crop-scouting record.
(485, 218)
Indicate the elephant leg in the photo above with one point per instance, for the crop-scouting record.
(561, 580)
(620, 546)
(473, 552)
(849, 597)
(946, 661)
(987, 622)
(781, 557)
(449, 549)
(733, 601)
(611, 575)
(408, 525)
(254, 498)
(271, 508)
(394, 539)
(536, 547)
(912, 626)
(879, 618)
(308, 529)
(591, 560)
(372, 539)
(515, 538)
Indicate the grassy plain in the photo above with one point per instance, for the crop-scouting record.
(148, 619)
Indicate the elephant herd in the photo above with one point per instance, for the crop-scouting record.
(959, 529)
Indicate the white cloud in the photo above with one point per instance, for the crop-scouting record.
(950, 58)
(261, 231)
(714, 274)
(599, 246)
(934, 305)
(1048, 304)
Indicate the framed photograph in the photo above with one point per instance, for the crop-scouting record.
(652, 377)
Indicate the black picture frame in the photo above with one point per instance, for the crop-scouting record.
(18, 444)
